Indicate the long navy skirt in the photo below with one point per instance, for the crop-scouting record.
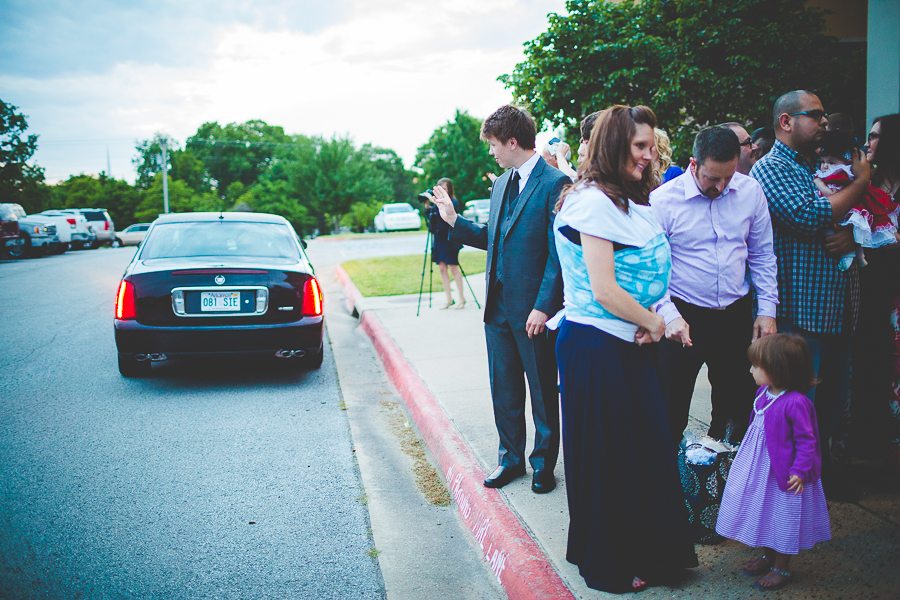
(626, 506)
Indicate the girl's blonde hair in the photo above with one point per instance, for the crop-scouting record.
(786, 359)
(664, 150)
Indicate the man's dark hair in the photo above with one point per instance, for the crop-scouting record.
(788, 103)
(836, 143)
(720, 144)
(763, 133)
(509, 122)
(587, 125)
(841, 122)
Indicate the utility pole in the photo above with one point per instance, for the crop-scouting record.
(165, 167)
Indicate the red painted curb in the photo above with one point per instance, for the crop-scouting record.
(350, 290)
(515, 558)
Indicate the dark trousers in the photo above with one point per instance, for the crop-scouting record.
(512, 357)
(720, 339)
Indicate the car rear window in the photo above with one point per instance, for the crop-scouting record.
(399, 208)
(224, 238)
(94, 215)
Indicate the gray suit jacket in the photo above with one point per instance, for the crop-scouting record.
(531, 273)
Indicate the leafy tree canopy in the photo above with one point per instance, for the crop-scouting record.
(455, 150)
(236, 152)
(694, 62)
(182, 164)
(15, 150)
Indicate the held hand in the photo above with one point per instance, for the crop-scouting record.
(763, 326)
(795, 484)
(445, 205)
(642, 336)
(679, 331)
(655, 326)
(860, 166)
(841, 242)
(535, 323)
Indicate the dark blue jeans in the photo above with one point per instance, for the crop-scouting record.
(831, 360)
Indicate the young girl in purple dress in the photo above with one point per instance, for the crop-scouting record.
(774, 498)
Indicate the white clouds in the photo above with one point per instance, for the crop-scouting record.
(389, 73)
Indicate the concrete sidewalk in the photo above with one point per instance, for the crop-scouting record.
(445, 358)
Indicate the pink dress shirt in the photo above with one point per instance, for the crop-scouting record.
(713, 241)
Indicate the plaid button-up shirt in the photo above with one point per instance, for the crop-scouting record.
(812, 290)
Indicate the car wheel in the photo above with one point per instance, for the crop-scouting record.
(115, 243)
(20, 250)
(129, 367)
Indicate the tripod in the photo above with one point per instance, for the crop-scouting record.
(428, 239)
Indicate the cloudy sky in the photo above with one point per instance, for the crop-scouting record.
(96, 75)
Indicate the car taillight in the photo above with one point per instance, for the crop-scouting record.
(106, 226)
(71, 222)
(125, 301)
(312, 298)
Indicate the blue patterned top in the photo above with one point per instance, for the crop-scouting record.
(642, 258)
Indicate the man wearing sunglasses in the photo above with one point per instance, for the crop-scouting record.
(817, 300)
(745, 160)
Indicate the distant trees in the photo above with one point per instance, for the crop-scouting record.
(455, 150)
(694, 62)
(16, 177)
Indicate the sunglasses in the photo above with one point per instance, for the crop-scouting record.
(815, 115)
(748, 142)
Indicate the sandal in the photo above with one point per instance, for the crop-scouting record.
(461, 305)
(777, 586)
(767, 566)
(448, 305)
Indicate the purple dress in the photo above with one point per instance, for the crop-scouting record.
(754, 509)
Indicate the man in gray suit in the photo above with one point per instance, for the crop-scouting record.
(524, 288)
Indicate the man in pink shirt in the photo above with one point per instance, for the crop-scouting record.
(718, 225)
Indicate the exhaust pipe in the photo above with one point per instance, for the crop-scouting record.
(154, 357)
(290, 354)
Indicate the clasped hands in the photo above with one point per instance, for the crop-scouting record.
(678, 330)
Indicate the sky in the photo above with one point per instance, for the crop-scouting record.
(94, 77)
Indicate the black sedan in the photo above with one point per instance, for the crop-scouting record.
(218, 283)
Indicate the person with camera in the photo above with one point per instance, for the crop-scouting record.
(445, 252)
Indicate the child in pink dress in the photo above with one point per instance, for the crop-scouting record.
(774, 498)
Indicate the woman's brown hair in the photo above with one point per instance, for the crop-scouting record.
(608, 155)
(786, 359)
(444, 181)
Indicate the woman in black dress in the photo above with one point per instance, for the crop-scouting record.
(444, 252)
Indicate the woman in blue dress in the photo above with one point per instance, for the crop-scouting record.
(628, 522)
(445, 252)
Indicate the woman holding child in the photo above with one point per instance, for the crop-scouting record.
(628, 527)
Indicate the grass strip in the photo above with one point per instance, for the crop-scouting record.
(398, 275)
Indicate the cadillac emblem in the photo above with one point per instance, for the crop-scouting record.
(220, 279)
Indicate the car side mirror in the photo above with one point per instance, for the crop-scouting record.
(302, 242)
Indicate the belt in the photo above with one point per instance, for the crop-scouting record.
(679, 303)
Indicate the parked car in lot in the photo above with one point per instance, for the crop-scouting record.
(10, 242)
(396, 216)
(100, 222)
(218, 283)
(133, 235)
(73, 229)
(40, 237)
(478, 210)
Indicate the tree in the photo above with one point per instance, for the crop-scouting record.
(391, 166)
(456, 150)
(86, 191)
(182, 164)
(694, 62)
(15, 150)
(237, 152)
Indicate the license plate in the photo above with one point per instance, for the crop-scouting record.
(220, 301)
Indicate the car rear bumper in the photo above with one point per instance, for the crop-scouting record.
(306, 334)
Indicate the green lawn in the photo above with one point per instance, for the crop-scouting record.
(397, 275)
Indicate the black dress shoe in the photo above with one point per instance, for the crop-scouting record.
(503, 475)
(543, 482)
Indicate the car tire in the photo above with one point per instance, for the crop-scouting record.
(129, 367)
(116, 243)
(20, 250)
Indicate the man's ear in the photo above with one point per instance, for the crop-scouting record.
(784, 121)
(513, 143)
(693, 165)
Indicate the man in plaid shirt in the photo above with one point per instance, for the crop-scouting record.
(817, 300)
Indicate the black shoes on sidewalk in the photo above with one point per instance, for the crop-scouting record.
(543, 481)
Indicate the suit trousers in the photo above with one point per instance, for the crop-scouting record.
(512, 357)
(720, 339)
